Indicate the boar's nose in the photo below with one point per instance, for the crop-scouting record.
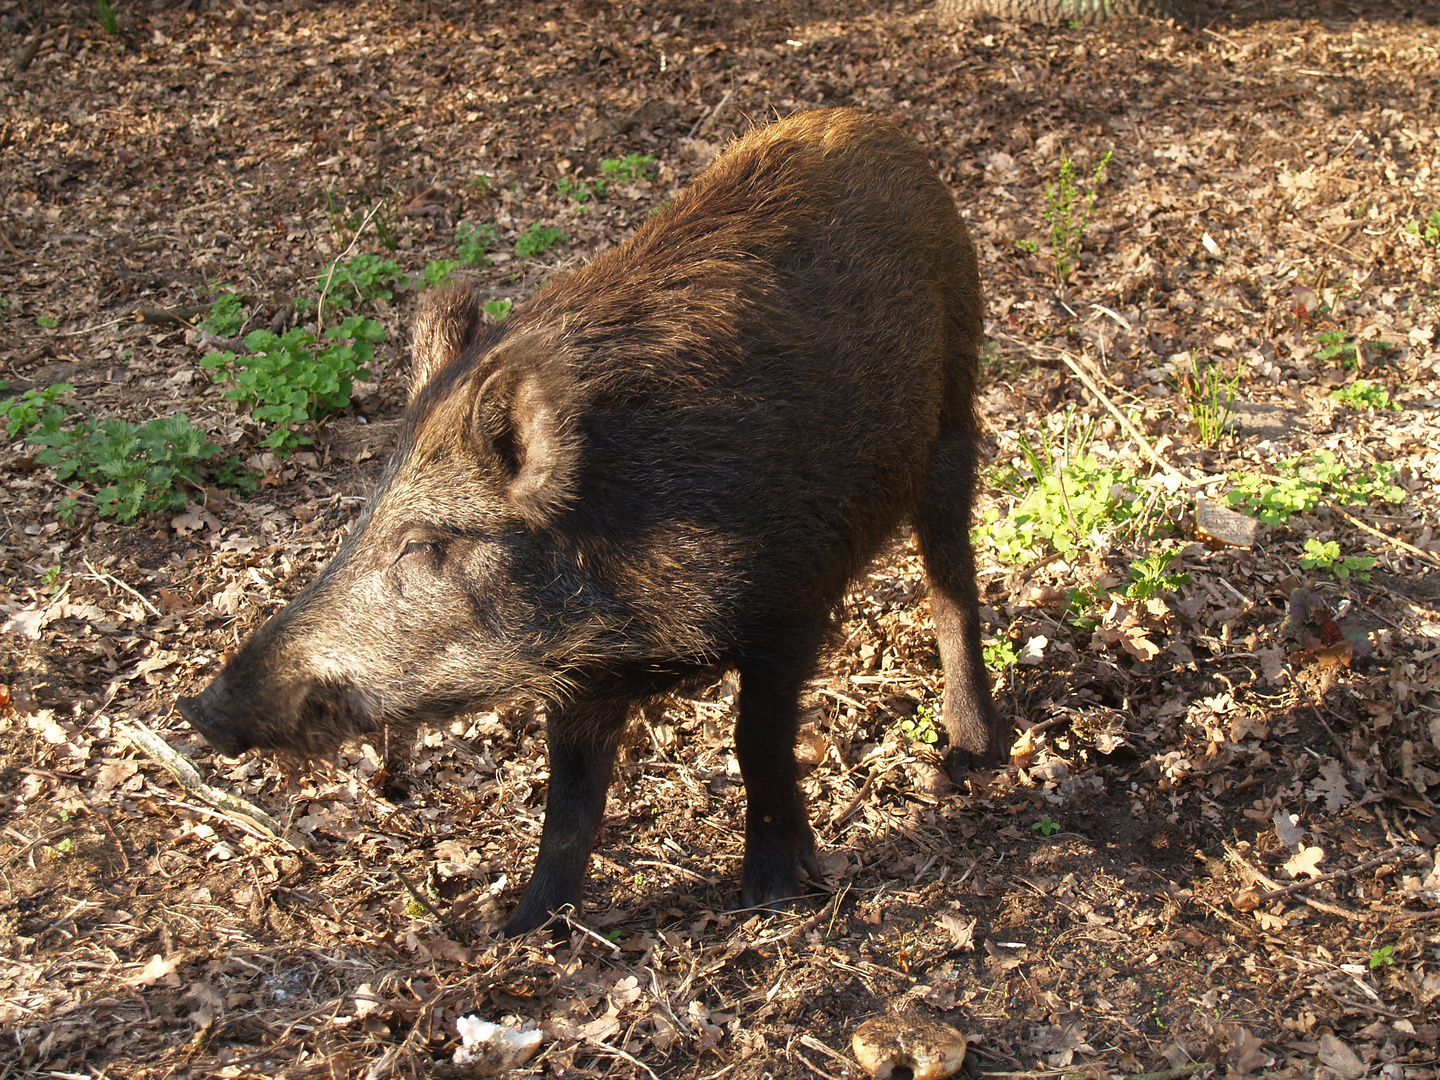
(214, 729)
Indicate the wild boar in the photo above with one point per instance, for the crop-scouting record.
(670, 461)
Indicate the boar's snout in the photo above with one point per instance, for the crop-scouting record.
(310, 718)
(217, 732)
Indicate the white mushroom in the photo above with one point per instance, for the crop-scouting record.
(490, 1049)
(929, 1049)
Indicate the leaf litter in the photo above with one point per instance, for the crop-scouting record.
(1216, 841)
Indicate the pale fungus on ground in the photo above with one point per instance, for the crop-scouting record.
(929, 1049)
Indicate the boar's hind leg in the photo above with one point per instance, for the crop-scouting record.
(582, 738)
(942, 525)
(778, 840)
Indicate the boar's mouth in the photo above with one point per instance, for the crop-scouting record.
(320, 718)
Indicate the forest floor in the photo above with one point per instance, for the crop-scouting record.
(1206, 717)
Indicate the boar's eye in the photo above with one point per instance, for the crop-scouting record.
(419, 549)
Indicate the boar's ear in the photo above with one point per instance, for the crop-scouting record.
(449, 320)
(524, 419)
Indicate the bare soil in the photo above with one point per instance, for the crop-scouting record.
(1098, 908)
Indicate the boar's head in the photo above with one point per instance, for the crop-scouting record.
(452, 591)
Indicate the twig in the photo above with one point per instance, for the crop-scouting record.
(184, 771)
(1130, 429)
(607, 1048)
(330, 274)
(1390, 856)
(102, 576)
(463, 934)
(708, 120)
(1401, 544)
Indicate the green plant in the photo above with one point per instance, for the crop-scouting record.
(226, 316)
(1028, 246)
(48, 322)
(580, 191)
(1326, 556)
(437, 271)
(1427, 229)
(1000, 654)
(1063, 500)
(1384, 956)
(138, 468)
(349, 284)
(628, 169)
(1210, 397)
(920, 728)
(497, 309)
(1333, 346)
(32, 409)
(294, 379)
(1068, 211)
(1365, 395)
(1307, 482)
(1046, 826)
(482, 183)
(1151, 575)
(474, 243)
(107, 16)
(537, 240)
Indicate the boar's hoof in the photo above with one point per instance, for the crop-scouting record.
(959, 764)
(766, 882)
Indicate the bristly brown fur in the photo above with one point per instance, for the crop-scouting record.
(675, 457)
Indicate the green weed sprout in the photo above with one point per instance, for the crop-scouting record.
(537, 240)
(358, 280)
(1326, 556)
(1362, 395)
(474, 242)
(293, 378)
(497, 309)
(628, 169)
(920, 728)
(25, 412)
(1068, 211)
(1210, 397)
(1428, 229)
(1305, 483)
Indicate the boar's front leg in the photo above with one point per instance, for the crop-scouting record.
(778, 840)
(582, 737)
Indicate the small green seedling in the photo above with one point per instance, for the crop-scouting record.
(1045, 826)
(107, 16)
(1333, 346)
(294, 378)
(1362, 395)
(1382, 957)
(920, 728)
(1152, 575)
(1428, 229)
(47, 322)
(628, 169)
(1028, 246)
(1000, 654)
(537, 240)
(580, 191)
(32, 409)
(138, 468)
(1068, 211)
(1210, 397)
(356, 281)
(474, 243)
(1326, 556)
(497, 309)
(1306, 482)
(483, 183)
(227, 315)
(437, 271)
